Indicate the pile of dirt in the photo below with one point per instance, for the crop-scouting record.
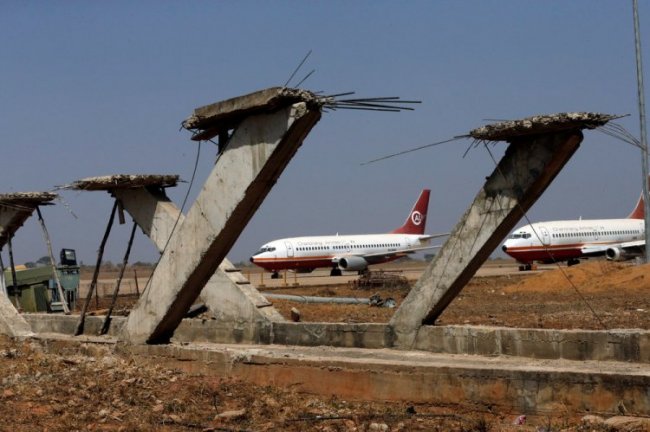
(588, 277)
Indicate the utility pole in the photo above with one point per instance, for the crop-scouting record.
(644, 140)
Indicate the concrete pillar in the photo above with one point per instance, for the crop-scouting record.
(525, 171)
(11, 322)
(228, 294)
(249, 166)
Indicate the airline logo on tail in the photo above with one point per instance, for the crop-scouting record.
(416, 221)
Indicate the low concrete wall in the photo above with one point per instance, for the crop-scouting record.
(208, 330)
(506, 384)
(614, 345)
(338, 335)
(67, 324)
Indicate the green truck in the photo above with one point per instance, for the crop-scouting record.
(35, 288)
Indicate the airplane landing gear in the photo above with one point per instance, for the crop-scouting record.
(335, 271)
(275, 275)
(572, 262)
(526, 267)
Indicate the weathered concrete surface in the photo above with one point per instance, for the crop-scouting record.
(46, 324)
(525, 171)
(336, 335)
(228, 294)
(211, 120)
(152, 210)
(632, 346)
(255, 156)
(11, 322)
(612, 345)
(509, 384)
(124, 181)
(16, 208)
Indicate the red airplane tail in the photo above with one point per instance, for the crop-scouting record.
(639, 211)
(417, 218)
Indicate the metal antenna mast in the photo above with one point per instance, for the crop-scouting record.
(644, 141)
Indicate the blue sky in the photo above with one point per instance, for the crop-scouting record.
(96, 88)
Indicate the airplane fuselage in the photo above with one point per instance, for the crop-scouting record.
(573, 239)
(356, 251)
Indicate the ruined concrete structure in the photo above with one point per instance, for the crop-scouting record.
(258, 134)
(539, 147)
(15, 209)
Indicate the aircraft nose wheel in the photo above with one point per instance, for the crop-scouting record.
(275, 275)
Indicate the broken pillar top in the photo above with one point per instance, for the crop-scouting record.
(540, 124)
(209, 121)
(16, 208)
(124, 181)
(26, 199)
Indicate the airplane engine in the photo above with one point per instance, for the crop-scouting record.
(617, 254)
(353, 263)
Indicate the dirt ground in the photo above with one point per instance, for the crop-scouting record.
(592, 295)
(94, 389)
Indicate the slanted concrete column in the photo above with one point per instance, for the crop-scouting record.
(152, 210)
(525, 171)
(228, 294)
(249, 166)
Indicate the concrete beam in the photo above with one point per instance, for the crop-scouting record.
(16, 208)
(228, 294)
(525, 171)
(255, 156)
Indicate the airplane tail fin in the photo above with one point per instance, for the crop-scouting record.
(638, 212)
(417, 218)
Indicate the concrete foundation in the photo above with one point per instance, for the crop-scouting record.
(527, 371)
(631, 346)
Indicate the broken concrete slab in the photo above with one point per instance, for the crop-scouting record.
(540, 147)
(124, 181)
(209, 121)
(510, 130)
(250, 164)
(16, 208)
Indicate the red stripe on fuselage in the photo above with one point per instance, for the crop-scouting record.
(528, 254)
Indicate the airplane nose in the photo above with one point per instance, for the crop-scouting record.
(504, 248)
(251, 259)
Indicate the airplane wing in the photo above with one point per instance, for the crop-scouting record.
(600, 249)
(432, 236)
(383, 256)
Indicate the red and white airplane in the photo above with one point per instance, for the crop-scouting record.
(348, 252)
(569, 240)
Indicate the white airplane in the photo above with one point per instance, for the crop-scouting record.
(348, 252)
(569, 240)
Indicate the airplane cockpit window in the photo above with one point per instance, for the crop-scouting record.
(265, 249)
